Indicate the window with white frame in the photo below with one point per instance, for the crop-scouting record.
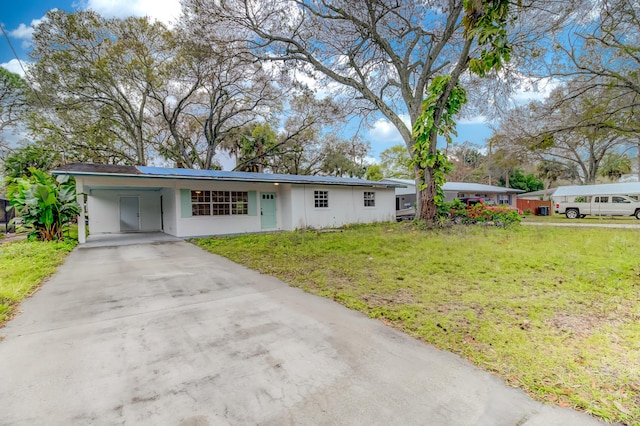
(369, 199)
(219, 203)
(503, 199)
(321, 198)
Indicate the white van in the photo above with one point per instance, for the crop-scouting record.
(599, 205)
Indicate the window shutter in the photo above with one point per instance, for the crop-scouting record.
(185, 202)
(253, 203)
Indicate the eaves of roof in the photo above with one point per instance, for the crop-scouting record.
(84, 169)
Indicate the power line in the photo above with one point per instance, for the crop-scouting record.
(26, 76)
(15, 54)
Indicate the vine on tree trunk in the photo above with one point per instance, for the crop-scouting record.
(487, 21)
(424, 154)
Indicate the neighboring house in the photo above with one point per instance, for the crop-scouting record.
(544, 195)
(189, 203)
(406, 197)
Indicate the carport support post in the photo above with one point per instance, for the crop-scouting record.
(82, 217)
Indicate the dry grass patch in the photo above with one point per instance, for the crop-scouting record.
(555, 311)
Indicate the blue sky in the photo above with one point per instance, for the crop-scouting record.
(18, 19)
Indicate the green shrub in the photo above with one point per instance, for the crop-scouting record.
(44, 203)
(459, 212)
(452, 208)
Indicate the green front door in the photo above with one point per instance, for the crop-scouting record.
(268, 219)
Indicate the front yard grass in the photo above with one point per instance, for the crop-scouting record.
(589, 220)
(24, 265)
(554, 311)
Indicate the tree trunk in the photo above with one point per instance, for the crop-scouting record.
(426, 196)
(638, 159)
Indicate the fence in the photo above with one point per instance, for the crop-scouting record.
(533, 205)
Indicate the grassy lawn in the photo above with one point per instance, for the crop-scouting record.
(24, 266)
(554, 311)
(595, 220)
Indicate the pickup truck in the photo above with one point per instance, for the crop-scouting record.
(599, 205)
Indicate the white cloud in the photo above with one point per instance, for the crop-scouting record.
(369, 160)
(321, 86)
(385, 133)
(478, 119)
(25, 33)
(22, 32)
(167, 11)
(534, 89)
(14, 66)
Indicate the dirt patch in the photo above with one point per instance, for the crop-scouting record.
(402, 296)
(580, 325)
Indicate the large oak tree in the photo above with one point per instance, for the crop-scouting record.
(13, 102)
(94, 76)
(385, 54)
(570, 133)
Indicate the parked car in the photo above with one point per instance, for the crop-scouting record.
(599, 205)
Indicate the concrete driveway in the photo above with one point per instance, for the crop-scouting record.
(168, 334)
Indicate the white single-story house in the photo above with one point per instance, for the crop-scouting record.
(406, 192)
(190, 203)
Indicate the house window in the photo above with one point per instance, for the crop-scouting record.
(369, 199)
(503, 199)
(200, 203)
(321, 198)
(219, 203)
(239, 202)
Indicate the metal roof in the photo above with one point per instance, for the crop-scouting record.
(548, 193)
(459, 186)
(478, 187)
(602, 189)
(85, 169)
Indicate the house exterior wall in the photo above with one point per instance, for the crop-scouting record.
(346, 205)
(104, 210)
(286, 206)
(195, 226)
(169, 209)
(295, 205)
(499, 198)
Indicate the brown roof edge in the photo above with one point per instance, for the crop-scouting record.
(72, 168)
